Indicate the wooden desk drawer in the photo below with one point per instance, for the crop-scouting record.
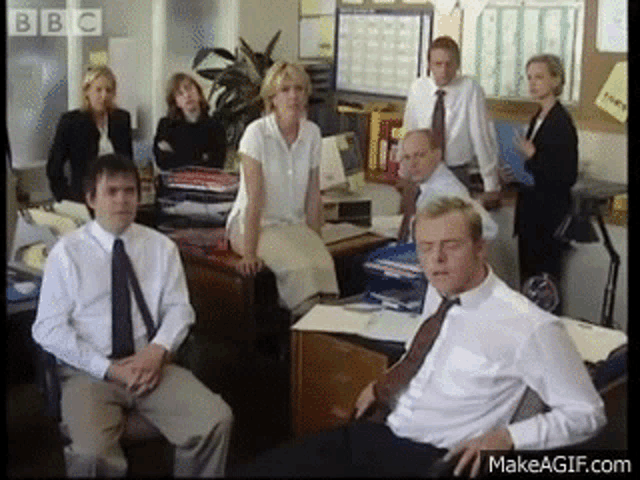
(329, 374)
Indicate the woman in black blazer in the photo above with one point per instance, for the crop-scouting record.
(97, 128)
(188, 135)
(551, 148)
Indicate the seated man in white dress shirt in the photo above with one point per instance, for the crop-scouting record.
(74, 323)
(468, 132)
(493, 344)
(428, 177)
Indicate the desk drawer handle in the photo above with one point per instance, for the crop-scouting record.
(340, 412)
(343, 377)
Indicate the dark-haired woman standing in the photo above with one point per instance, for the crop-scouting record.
(188, 136)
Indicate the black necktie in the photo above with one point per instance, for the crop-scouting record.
(388, 389)
(122, 274)
(437, 123)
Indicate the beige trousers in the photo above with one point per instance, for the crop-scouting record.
(192, 418)
(298, 258)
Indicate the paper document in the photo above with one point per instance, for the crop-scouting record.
(378, 325)
(331, 318)
(386, 225)
(392, 326)
(594, 343)
(335, 232)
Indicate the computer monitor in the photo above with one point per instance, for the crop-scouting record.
(342, 164)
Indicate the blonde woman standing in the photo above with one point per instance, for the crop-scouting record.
(97, 128)
(277, 216)
(551, 150)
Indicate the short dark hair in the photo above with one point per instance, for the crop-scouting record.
(445, 43)
(109, 164)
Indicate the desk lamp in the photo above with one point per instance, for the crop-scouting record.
(589, 199)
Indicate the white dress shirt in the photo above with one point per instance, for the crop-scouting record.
(442, 182)
(286, 171)
(74, 311)
(468, 130)
(491, 347)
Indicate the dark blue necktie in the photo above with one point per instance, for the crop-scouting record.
(122, 274)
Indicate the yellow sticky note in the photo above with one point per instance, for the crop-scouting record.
(613, 98)
(98, 58)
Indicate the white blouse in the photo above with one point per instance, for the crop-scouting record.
(286, 171)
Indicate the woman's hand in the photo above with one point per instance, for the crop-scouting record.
(525, 146)
(250, 265)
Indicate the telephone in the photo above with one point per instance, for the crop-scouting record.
(38, 229)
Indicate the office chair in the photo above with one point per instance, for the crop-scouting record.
(141, 440)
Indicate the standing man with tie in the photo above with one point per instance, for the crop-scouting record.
(454, 108)
(113, 308)
(455, 391)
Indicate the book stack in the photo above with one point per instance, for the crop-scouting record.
(202, 195)
(385, 134)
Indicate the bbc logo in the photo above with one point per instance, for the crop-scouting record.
(54, 22)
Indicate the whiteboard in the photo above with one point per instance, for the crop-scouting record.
(380, 52)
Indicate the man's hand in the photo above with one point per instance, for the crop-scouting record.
(491, 200)
(469, 451)
(365, 400)
(140, 373)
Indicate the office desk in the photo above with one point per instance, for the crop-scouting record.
(328, 371)
(236, 308)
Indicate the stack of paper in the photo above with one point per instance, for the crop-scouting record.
(380, 324)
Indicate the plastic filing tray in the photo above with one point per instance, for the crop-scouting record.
(395, 277)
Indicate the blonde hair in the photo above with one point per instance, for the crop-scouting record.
(277, 73)
(93, 73)
(555, 67)
(443, 205)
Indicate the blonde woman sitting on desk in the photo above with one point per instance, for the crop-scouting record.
(277, 215)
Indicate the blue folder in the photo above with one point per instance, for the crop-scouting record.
(509, 154)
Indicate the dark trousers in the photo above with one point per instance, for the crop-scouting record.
(362, 449)
(541, 255)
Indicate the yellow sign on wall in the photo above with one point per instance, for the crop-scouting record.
(613, 98)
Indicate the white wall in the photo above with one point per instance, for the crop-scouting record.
(259, 20)
(603, 155)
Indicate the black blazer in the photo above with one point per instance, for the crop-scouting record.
(540, 209)
(201, 143)
(76, 142)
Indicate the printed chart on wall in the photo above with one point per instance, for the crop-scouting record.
(507, 36)
(380, 52)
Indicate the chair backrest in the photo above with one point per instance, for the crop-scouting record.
(48, 382)
(604, 374)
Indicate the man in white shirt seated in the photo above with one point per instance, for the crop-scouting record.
(105, 371)
(428, 177)
(493, 344)
(468, 131)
